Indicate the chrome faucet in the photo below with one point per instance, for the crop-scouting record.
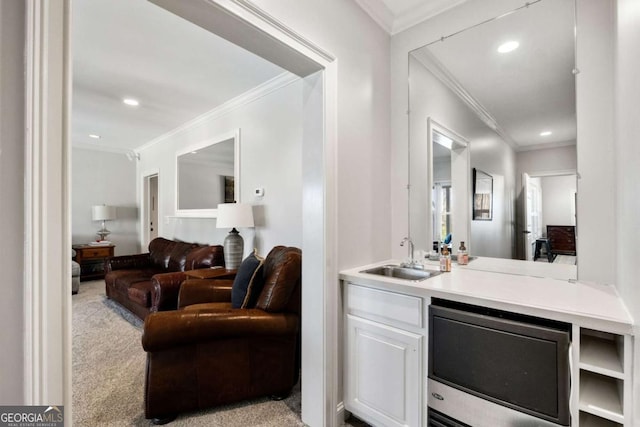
(412, 262)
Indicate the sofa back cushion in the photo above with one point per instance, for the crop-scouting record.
(281, 276)
(204, 257)
(160, 251)
(178, 255)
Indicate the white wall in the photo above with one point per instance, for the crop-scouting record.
(539, 162)
(429, 97)
(12, 95)
(98, 178)
(627, 175)
(595, 119)
(270, 157)
(558, 200)
(362, 51)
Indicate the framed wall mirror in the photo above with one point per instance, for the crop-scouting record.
(208, 173)
(508, 85)
(482, 196)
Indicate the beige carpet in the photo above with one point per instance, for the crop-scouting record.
(108, 374)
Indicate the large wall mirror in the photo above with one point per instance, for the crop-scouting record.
(507, 85)
(207, 174)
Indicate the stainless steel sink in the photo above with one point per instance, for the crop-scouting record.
(400, 272)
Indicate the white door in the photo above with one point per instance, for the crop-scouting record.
(383, 373)
(150, 210)
(153, 207)
(533, 213)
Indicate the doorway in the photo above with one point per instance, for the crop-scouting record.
(50, 375)
(549, 200)
(149, 209)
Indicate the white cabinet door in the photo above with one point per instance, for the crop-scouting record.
(383, 371)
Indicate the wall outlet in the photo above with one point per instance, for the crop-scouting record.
(258, 192)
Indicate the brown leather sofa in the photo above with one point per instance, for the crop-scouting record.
(207, 353)
(150, 282)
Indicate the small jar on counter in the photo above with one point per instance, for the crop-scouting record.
(445, 259)
(463, 255)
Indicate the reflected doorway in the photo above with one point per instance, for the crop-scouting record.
(549, 202)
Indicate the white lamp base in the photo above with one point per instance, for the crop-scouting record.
(233, 250)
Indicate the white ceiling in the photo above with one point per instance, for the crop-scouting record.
(178, 71)
(527, 91)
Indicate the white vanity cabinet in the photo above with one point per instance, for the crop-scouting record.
(386, 339)
(385, 351)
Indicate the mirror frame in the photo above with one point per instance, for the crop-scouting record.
(460, 207)
(210, 213)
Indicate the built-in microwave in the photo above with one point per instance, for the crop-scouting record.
(495, 368)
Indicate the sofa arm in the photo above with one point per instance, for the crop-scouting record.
(165, 290)
(171, 329)
(197, 291)
(127, 261)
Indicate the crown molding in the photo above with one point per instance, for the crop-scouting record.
(421, 13)
(102, 148)
(248, 97)
(441, 73)
(380, 13)
(546, 145)
(394, 24)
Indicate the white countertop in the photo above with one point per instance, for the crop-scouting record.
(527, 288)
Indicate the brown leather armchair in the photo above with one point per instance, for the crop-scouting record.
(207, 353)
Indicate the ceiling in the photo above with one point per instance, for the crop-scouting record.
(179, 71)
(176, 70)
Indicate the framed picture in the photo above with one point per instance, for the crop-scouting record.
(229, 189)
(482, 196)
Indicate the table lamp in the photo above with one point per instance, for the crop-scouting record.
(103, 213)
(232, 215)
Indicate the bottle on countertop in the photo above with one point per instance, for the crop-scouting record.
(463, 255)
(445, 259)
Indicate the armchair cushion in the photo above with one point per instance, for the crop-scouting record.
(197, 291)
(245, 275)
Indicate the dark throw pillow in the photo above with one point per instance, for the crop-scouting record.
(245, 273)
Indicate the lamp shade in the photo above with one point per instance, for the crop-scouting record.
(231, 215)
(103, 213)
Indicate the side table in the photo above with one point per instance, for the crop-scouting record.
(91, 259)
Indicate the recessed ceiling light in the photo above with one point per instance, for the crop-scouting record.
(94, 136)
(194, 152)
(545, 133)
(508, 46)
(131, 101)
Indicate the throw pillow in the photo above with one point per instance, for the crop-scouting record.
(255, 287)
(243, 278)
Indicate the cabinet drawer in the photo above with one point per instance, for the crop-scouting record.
(96, 253)
(383, 306)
